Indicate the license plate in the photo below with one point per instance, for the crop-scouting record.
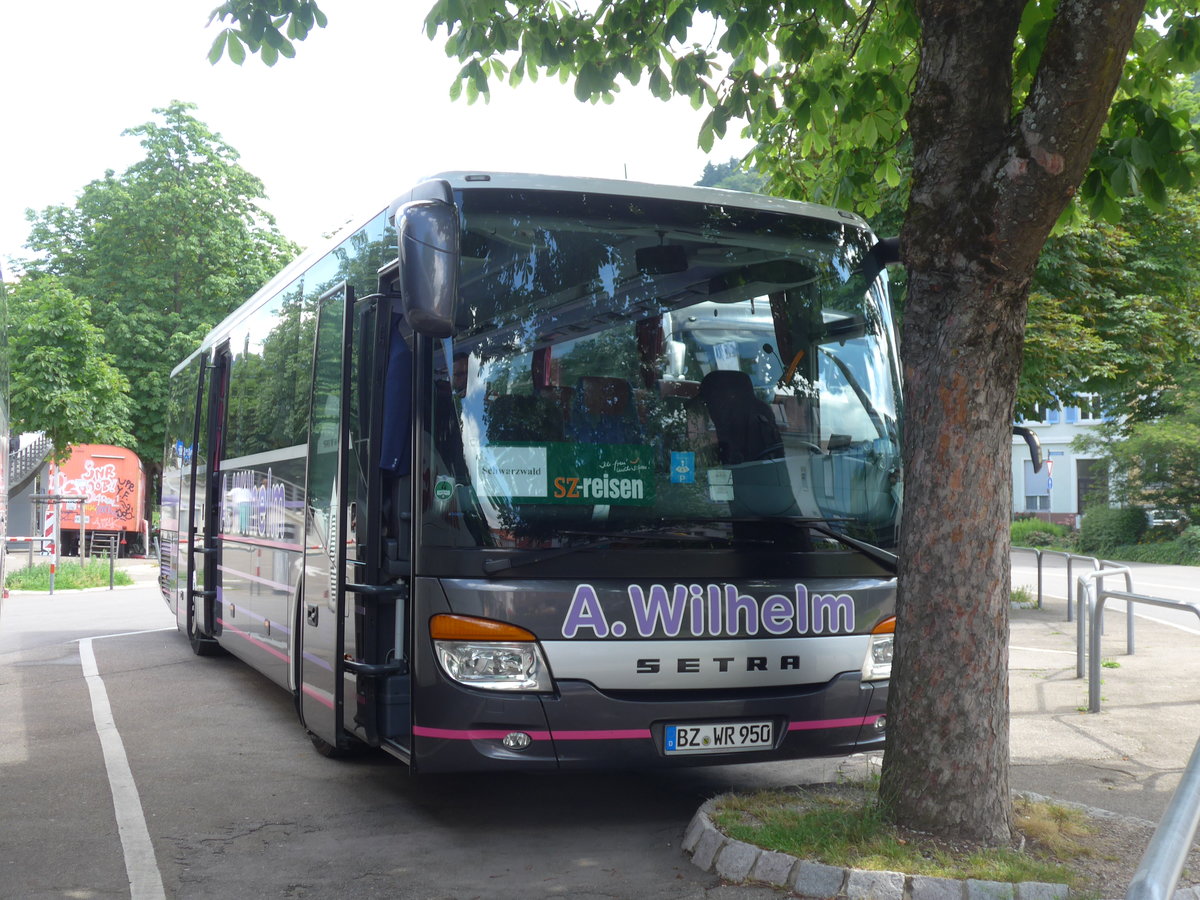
(719, 737)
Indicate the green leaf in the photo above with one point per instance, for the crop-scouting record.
(659, 86)
(237, 52)
(1154, 191)
(868, 132)
(891, 173)
(1142, 155)
(1122, 180)
(257, 26)
(218, 48)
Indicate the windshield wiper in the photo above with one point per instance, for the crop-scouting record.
(529, 557)
(825, 527)
(600, 539)
(885, 558)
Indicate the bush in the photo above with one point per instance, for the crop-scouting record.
(1171, 553)
(1190, 539)
(1104, 527)
(1036, 533)
(69, 576)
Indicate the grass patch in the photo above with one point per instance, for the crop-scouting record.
(68, 576)
(842, 825)
(1054, 827)
(1036, 533)
(1022, 598)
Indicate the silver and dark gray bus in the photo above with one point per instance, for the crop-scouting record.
(546, 473)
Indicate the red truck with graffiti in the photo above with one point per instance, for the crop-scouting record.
(114, 482)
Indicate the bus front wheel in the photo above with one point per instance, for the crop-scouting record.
(329, 751)
(201, 645)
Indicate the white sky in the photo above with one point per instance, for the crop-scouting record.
(360, 113)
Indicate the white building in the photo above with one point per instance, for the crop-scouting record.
(1060, 491)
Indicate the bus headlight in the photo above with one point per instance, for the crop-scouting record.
(483, 653)
(501, 667)
(878, 664)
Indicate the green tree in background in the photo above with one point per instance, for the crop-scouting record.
(162, 253)
(63, 381)
(1115, 312)
(732, 176)
(1006, 110)
(1156, 463)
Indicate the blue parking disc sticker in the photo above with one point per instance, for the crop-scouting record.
(683, 467)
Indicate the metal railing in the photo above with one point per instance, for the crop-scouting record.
(1161, 864)
(1071, 559)
(1090, 619)
(23, 463)
(1094, 612)
(31, 540)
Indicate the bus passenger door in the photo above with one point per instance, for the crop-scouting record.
(203, 606)
(322, 614)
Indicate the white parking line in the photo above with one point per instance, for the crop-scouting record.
(145, 881)
(1044, 650)
(1176, 625)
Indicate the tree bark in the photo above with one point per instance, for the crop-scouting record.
(987, 188)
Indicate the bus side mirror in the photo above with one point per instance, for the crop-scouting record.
(883, 253)
(427, 232)
(1035, 445)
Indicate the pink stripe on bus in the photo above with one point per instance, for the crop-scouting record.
(316, 695)
(454, 734)
(628, 734)
(479, 734)
(496, 735)
(253, 640)
(833, 723)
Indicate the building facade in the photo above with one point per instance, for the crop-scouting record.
(1071, 480)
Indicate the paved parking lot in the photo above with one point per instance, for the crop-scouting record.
(224, 797)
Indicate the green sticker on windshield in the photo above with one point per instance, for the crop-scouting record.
(567, 474)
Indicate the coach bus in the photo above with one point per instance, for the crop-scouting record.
(548, 473)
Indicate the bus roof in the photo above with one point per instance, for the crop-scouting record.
(475, 180)
(466, 180)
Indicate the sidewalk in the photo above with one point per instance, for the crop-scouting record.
(1129, 757)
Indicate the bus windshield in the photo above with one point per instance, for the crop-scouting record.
(682, 372)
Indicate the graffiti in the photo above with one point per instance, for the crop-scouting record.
(108, 496)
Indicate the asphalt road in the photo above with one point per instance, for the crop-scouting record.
(131, 768)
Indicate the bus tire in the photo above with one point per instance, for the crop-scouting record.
(329, 751)
(201, 644)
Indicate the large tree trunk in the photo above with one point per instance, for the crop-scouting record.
(987, 188)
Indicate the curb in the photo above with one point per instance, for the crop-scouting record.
(21, 592)
(737, 861)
